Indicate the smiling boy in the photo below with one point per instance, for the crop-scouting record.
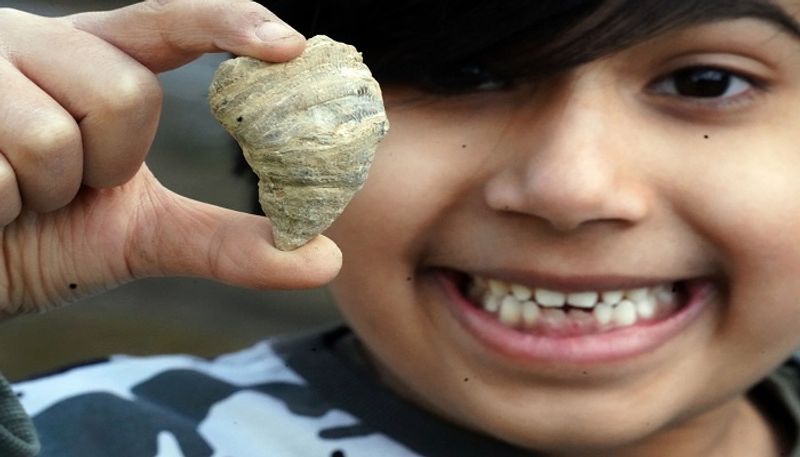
(580, 238)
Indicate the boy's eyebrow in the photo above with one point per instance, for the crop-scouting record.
(766, 11)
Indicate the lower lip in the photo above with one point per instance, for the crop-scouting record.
(614, 345)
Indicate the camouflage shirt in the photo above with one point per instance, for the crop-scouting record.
(309, 395)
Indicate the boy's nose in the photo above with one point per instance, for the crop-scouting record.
(569, 165)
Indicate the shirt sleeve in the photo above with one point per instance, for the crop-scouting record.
(17, 435)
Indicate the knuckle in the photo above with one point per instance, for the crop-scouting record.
(253, 14)
(158, 8)
(132, 91)
(182, 6)
(51, 135)
(156, 5)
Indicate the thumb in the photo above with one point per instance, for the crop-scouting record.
(184, 237)
(165, 34)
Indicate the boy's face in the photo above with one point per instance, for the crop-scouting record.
(627, 173)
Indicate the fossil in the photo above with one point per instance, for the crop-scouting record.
(308, 128)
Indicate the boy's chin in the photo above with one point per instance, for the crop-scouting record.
(587, 425)
(572, 436)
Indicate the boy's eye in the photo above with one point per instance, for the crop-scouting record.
(702, 83)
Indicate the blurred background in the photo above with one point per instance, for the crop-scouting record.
(193, 156)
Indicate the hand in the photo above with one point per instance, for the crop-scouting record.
(79, 107)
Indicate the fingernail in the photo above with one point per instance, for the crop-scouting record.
(275, 30)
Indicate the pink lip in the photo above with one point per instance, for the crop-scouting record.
(614, 345)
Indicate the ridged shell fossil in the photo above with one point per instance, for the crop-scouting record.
(308, 128)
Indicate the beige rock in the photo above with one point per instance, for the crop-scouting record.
(308, 128)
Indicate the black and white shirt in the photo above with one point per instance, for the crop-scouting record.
(295, 397)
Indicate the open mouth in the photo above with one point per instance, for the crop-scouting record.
(576, 325)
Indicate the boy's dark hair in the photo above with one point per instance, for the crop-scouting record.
(452, 46)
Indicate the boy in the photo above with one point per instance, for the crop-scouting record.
(579, 237)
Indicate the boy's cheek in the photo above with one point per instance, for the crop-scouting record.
(746, 206)
(741, 195)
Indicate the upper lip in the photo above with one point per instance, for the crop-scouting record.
(574, 282)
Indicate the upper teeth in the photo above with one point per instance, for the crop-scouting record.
(517, 304)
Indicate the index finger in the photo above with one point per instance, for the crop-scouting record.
(165, 34)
